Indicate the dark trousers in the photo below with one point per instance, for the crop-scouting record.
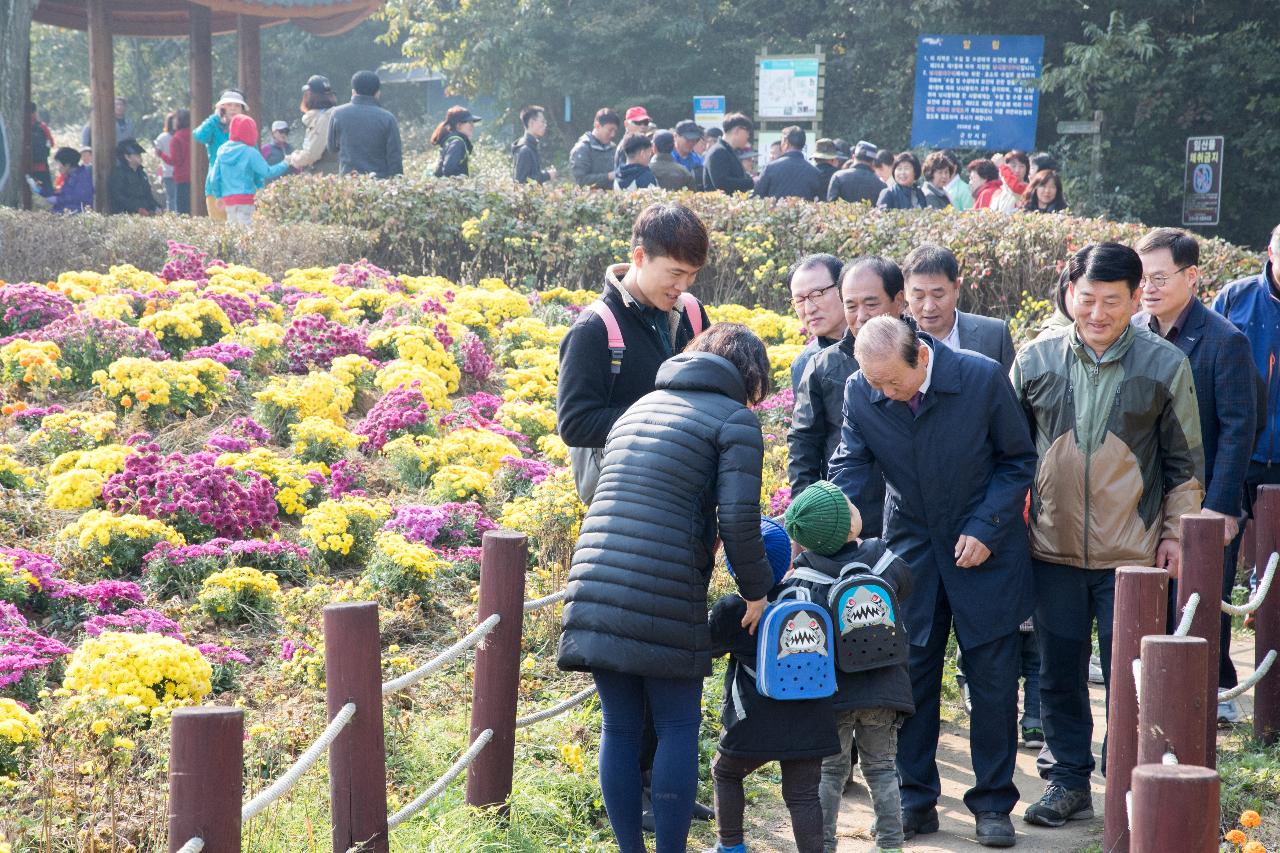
(800, 780)
(183, 194)
(1068, 600)
(675, 704)
(992, 671)
(1259, 474)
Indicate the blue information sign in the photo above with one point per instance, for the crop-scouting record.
(972, 92)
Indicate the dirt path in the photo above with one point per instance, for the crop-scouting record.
(956, 833)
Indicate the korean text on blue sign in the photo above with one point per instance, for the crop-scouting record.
(973, 92)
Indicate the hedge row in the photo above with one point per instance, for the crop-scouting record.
(40, 246)
(547, 236)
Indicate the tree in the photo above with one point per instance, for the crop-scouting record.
(15, 46)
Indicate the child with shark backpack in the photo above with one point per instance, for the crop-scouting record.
(862, 582)
(764, 719)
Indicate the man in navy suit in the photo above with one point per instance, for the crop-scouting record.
(932, 277)
(960, 527)
(1227, 385)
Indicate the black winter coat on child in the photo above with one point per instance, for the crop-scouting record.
(754, 726)
(681, 467)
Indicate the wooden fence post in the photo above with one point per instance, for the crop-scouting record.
(1202, 554)
(1175, 807)
(1142, 600)
(357, 758)
(1171, 705)
(1266, 621)
(497, 682)
(206, 777)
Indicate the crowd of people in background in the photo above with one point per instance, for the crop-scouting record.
(626, 153)
(357, 137)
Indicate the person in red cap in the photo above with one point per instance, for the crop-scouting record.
(636, 120)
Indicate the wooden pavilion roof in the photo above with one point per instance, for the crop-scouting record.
(171, 17)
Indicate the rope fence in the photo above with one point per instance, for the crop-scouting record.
(1260, 595)
(463, 762)
(1188, 615)
(545, 601)
(442, 660)
(281, 786)
(555, 710)
(356, 742)
(1162, 732)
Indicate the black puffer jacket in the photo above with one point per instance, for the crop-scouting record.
(681, 466)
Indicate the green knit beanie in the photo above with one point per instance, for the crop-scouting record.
(819, 519)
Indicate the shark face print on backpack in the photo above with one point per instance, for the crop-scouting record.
(794, 658)
(865, 609)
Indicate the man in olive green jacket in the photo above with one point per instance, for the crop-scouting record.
(1113, 411)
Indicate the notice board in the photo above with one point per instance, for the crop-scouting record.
(971, 92)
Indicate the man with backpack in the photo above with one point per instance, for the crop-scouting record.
(610, 357)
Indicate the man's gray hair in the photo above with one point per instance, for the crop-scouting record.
(884, 337)
(1275, 240)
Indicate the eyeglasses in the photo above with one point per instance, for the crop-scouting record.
(811, 297)
(1160, 280)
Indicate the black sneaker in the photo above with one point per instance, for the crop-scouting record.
(646, 812)
(1059, 805)
(1032, 737)
(923, 822)
(701, 812)
(995, 829)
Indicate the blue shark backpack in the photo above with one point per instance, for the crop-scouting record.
(794, 656)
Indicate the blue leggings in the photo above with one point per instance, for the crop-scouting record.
(676, 705)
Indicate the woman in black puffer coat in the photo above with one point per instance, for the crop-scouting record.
(681, 467)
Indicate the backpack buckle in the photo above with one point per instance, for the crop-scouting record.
(615, 359)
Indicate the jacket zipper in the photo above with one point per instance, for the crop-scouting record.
(1088, 459)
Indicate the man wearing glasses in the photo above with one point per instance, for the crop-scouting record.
(814, 283)
(1227, 386)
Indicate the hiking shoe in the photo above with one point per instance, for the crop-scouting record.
(1229, 712)
(1032, 737)
(923, 822)
(995, 829)
(1095, 670)
(1059, 805)
(701, 812)
(720, 848)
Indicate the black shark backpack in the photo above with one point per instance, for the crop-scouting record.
(863, 607)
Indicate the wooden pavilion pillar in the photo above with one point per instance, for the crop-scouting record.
(201, 66)
(249, 61)
(24, 159)
(102, 93)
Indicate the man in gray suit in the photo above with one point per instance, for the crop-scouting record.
(932, 287)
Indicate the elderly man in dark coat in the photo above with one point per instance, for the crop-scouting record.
(957, 458)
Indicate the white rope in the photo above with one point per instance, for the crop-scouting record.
(1137, 680)
(195, 845)
(278, 788)
(1188, 615)
(1247, 684)
(431, 793)
(539, 603)
(1259, 596)
(444, 658)
(1169, 758)
(555, 710)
